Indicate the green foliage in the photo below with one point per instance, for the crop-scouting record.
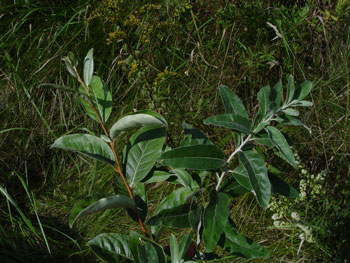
(184, 207)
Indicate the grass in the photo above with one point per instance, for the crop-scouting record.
(170, 57)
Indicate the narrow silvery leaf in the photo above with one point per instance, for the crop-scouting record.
(86, 144)
(215, 219)
(142, 152)
(280, 142)
(264, 101)
(69, 66)
(302, 103)
(96, 203)
(232, 103)
(303, 90)
(174, 250)
(88, 67)
(290, 90)
(276, 96)
(258, 177)
(290, 120)
(136, 120)
(291, 112)
(185, 178)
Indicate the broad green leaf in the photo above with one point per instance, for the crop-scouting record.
(232, 103)
(193, 136)
(215, 219)
(175, 198)
(185, 178)
(231, 187)
(281, 144)
(156, 176)
(176, 217)
(290, 90)
(69, 66)
(264, 102)
(86, 144)
(137, 120)
(142, 152)
(88, 67)
(197, 157)
(257, 173)
(119, 186)
(101, 97)
(97, 203)
(110, 246)
(291, 112)
(303, 90)
(242, 177)
(302, 103)
(281, 187)
(174, 250)
(230, 121)
(276, 96)
(240, 245)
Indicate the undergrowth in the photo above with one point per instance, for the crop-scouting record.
(169, 56)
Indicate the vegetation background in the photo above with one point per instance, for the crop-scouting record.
(169, 56)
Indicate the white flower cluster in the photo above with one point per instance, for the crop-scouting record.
(287, 212)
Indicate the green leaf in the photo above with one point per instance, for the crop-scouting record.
(69, 66)
(193, 136)
(142, 152)
(184, 245)
(291, 112)
(231, 187)
(109, 246)
(264, 102)
(137, 120)
(197, 157)
(215, 219)
(97, 203)
(147, 253)
(290, 120)
(276, 96)
(140, 196)
(176, 217)
(232, 102)
(290, 90)
(281, 187)
(137, 239)
(101, 97)
(303, 90)
(240, 245)
(242, 177)
(264, 140)
(156, 176)
(185, 178)
(174, 250)
(175, 198)
(86, 144)
(257, 173)
(302, 103)
(88, 67)
(281, 144)
(230, 121)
